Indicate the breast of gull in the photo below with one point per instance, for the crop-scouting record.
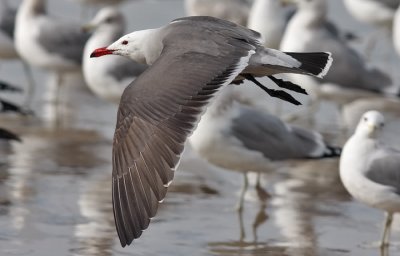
(191, 58)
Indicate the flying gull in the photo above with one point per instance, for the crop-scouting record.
(46, 42)
(190, 58)
(107, 77)
(238, 137)
(236, 11)
(370, 170)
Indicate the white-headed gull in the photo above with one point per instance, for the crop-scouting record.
(269, 18)
(46, 42)
(238, 137)
(307, 31)
(370, 170)
(7, 48)
(191, 58)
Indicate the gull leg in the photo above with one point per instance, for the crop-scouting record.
(242, 231)
(31, 84)
(245, 185)
(262, 194)
(386, 230)
(261, 217)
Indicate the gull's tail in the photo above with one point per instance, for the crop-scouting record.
(313, 63)
(270, 62)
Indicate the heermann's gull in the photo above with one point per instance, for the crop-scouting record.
(190, 58)
(307, 31)
(244, 139)
(370, 170)
(108, 76)
(236, 11)
(46, 42)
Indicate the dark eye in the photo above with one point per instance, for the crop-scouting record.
(365, 119)
(124, 42)
(382, 124)
(109, 20)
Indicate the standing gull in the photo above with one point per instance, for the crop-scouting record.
(191, 59)
(307, 31)
(46, 42)
(269, 18)
(374, 12)
(107, 77)
(244, 139)
(370, 170)
(7, 48)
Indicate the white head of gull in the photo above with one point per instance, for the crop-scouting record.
(109, 76)
(370, 170)
(191, 58)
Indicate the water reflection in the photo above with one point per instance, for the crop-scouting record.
(94, 237)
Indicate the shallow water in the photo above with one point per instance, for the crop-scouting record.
(55, 189)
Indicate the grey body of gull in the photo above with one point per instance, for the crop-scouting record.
(107, 77)
(307, 31)
(370, 170)
(191, 58)
(238, 137)
(46, 42)
(236, 11)
(7, 48)
(269, 18)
